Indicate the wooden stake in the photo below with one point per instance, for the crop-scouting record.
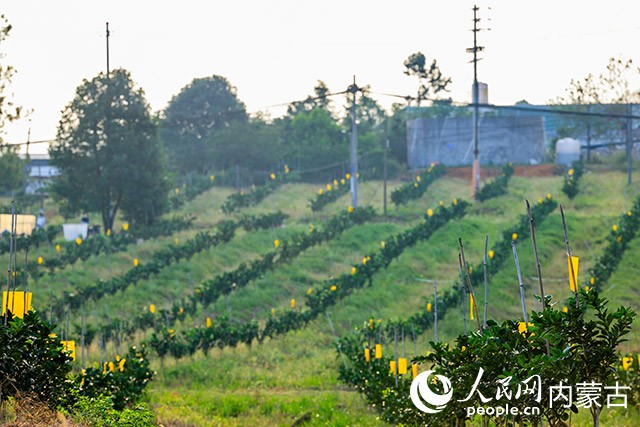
(464, 299)
(333, 331)
(413, 334)
(566, 241)
(535, 251)
(468, 281)
(435, 310)
(395, 352)
(524, 307)
(6, 305)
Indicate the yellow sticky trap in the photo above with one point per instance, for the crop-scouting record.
(208, 322)
(367, 354)
(392, 367)
(414, 370)
(293, 303)
(402, 366)
(19, 304)
(573, 272)
(627, 362)
(522, 327)
(136, 261)
(152, 308)
(428, 307)
(70, 347)
(378, 351)
(471, 304)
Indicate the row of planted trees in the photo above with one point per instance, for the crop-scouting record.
(571, 354)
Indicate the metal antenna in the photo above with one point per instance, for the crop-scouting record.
(476, 152)
(108, 34)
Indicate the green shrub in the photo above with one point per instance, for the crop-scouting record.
(498, 186)
(416, 189)
(122, 380)
(572, 179)
(98, 411)
(32, 360)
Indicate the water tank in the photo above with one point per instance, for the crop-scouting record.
(567, 151)
(483, 93)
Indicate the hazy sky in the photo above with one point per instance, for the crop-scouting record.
(275, 51)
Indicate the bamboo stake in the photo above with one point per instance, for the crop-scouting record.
(435, 310)
(535, 251)
(538, 269)
(82, 337)
(515, 257)
(333, 331)
(395, 352)
(464, 299)
(6, 305)
(486, 280)
(566, 241)
(468, 281)
(26, 277)
(413, 334)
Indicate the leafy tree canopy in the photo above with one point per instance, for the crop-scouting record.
(201, 109)
(319, 99)
(108, 153)
(8, 111)
(431, 81)
(604, 93)
(316, 139)
(11, 170)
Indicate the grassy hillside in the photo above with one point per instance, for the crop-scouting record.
(294, 376)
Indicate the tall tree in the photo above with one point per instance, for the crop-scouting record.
(201, 109)
(431, 81)
(316, 140)
(369, 113)
(606, 93)
(108, 153)
(254, 145)
(11, 170)
(320, 99)
(8, 111)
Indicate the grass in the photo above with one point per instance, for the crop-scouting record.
(295, 376)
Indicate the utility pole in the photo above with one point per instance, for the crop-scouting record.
(475, 179)
(354, 146)
(108, 49)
